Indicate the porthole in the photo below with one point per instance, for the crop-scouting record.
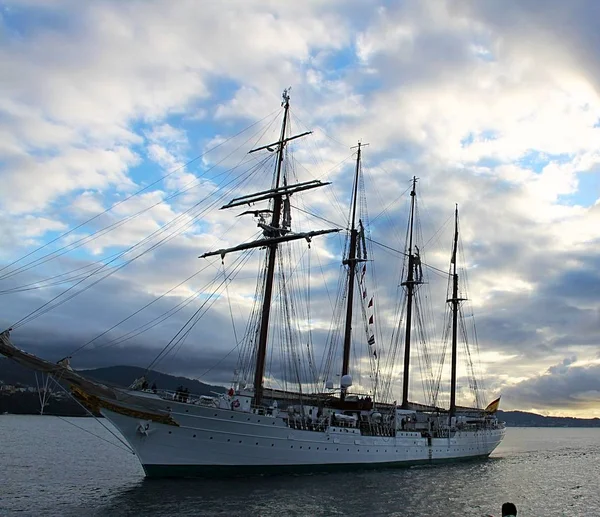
(194, 436)
(169, 432)
(240, 441)
(211, 437)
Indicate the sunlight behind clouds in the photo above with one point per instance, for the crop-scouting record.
(493, 105)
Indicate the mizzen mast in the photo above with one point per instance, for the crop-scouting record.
(414, 278)
(454, 304)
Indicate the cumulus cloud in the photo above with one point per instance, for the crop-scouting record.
(492, 105)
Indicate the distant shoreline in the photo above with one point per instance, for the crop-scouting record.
(61, 404)
(27, 403)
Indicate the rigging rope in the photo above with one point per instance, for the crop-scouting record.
(179, 338)
(127, 448)
(11, 273)
(43, 309)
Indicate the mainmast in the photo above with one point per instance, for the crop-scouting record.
(351, 263)
(414, 277)
(454, 303)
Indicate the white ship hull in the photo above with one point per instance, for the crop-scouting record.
(211, 441)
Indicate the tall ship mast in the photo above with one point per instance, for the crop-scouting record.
(413, 280)
(308, 421)
(455, 306)
(351, 262)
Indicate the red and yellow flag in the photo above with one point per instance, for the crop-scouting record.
(493, 406)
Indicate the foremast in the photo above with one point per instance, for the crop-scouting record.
(455, 307)
(413, 278)
(351, 262)
(275, 232)
(261, 352)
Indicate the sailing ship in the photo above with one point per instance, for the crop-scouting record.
(256, 428)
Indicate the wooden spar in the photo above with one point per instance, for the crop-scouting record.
(283, 141)
(261, 243)
(410, 286)
(351, 262)
(269, 194)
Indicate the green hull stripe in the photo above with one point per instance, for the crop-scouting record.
(189, 471)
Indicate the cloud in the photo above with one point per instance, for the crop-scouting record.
(483, 102)
(564, 387)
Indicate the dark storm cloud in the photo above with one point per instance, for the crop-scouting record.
(562, 386)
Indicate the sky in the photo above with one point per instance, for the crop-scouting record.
(493, 105)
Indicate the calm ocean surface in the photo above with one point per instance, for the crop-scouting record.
(50, 467)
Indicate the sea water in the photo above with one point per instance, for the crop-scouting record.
(67, 467)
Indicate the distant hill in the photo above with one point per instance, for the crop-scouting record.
(124, 375)
(524, 419)
(16, 375)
